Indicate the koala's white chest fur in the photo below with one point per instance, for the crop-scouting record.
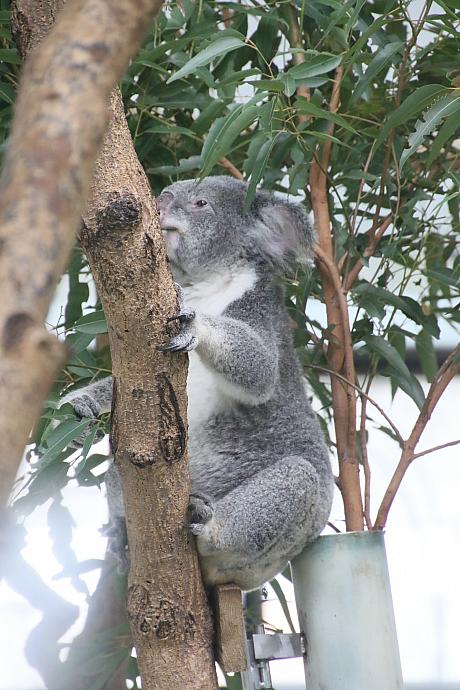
(206, 392)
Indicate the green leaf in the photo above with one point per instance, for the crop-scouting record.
(448, 129)
(315, 64)
(427, 354)
(282, 600)
(60, 438)
(413, 105)
(223, 133)
(168, 129)
(307, 108)
(382, 59)
(92, 324)
(10, 55)
(403, 377)
(258, 170)
(445, 276)
(7, 93)
(367, 294)
(220, 46)
(277, 85)
(363, 39)
(444, 107)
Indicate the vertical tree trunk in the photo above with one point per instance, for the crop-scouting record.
(167, 606)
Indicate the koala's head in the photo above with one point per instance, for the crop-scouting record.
(206, 228)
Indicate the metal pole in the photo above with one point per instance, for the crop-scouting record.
(345, 609)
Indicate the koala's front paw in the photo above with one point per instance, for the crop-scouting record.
(200, 511)
(186, 339)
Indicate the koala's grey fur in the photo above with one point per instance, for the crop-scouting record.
(261, 476)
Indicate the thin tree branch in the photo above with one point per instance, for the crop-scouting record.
(446, 373)
(375, 236)
(232, 169)
(436, 448)
(362, 394)
(295, 38)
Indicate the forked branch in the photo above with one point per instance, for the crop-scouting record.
(449, 369)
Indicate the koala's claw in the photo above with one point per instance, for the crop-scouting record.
(184, 341)
(184, 316)
(200, 511)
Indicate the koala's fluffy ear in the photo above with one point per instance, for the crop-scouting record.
(281, 233)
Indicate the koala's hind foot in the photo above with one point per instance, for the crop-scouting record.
(200, 511)
(260, 525)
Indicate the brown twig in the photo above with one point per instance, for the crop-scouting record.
(362, 394)
(447, 371)
(232, 169)
(436, 448)
(295, 37)
(375, 235)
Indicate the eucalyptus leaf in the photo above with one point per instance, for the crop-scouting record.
(411, 107)
(220, 46)
(315, 64)
(308, 108)
(223, 133)
(381, 60)
(92, 324)
(402, 376)
(446, 106)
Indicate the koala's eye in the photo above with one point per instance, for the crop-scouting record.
(201, 202)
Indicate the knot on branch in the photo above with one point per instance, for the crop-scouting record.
(140, 459)
(123, 211)
(162, 618)
(172, 432)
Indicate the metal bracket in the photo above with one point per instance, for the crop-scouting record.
(262, 648)
(278, 646)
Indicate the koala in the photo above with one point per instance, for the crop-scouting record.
(262, 482)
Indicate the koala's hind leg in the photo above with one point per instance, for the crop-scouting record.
(260, 525)
(116, 528)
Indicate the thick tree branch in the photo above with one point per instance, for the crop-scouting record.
(340, 352)
(59, 121)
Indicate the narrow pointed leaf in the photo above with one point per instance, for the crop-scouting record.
(432, 118)
(221, 46)
(381, 60)
(403, 377)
